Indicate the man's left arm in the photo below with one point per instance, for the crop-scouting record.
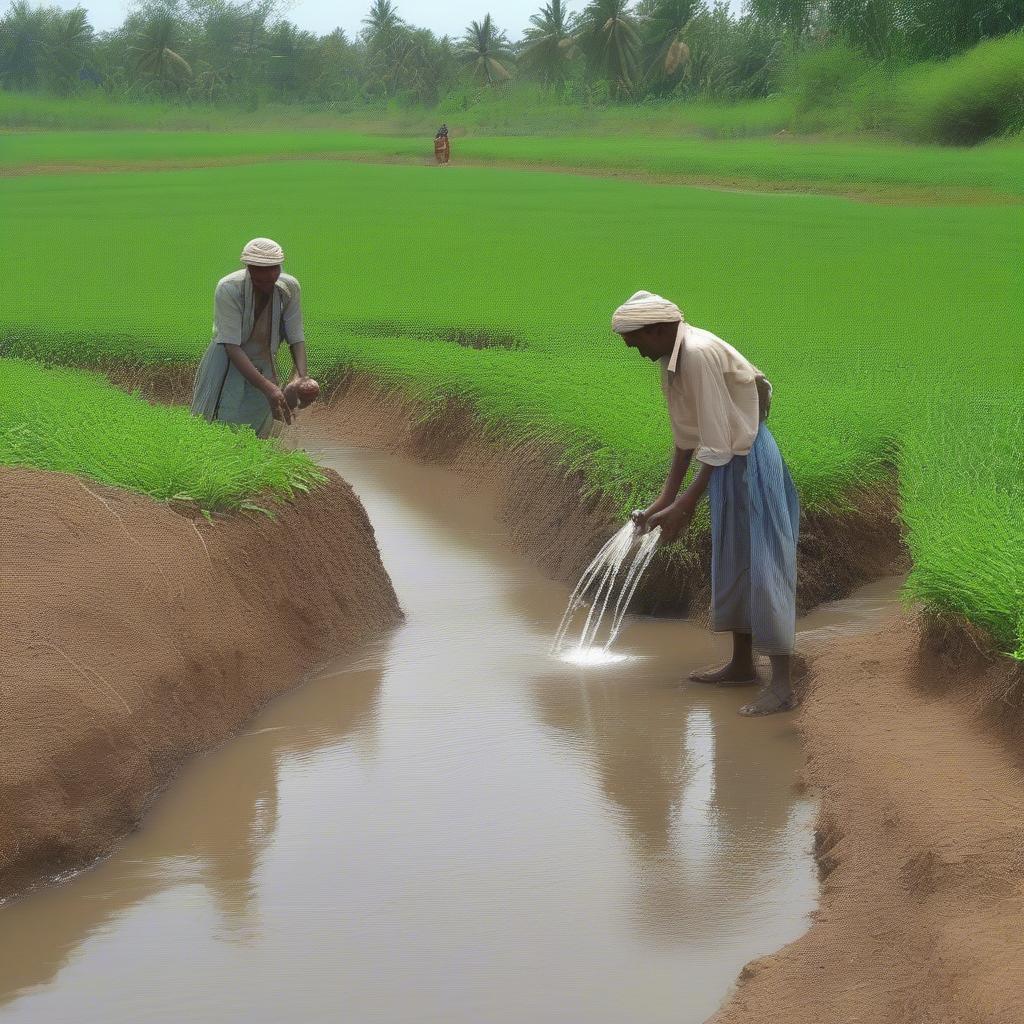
(293, 330)
(298, 352)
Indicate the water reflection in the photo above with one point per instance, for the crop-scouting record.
(233, 800)
(703, 800)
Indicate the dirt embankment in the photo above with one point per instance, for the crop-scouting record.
(132, 636)
(919, 839)
(549, 522)
(920, 843)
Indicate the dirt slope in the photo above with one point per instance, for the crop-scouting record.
(921, 838)
(548, 521)
(132, 637)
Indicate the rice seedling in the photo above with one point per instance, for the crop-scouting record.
(71, 421)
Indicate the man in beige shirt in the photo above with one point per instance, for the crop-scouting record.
(717, 403)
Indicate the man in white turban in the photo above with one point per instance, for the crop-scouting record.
(253, 310)
(717, 403)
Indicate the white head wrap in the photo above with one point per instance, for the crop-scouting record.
(645, 308)
(263, 252)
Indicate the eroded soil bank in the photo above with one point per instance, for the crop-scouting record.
(919, 838)
(451, 826)
(547, 519)
(132, 637)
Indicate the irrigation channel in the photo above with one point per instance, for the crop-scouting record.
(454, 826)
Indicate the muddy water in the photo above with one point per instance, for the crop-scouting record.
(451, 827)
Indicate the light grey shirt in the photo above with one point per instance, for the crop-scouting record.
(220, 391)
(234, 309)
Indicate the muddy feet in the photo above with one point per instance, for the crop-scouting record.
(769, 702)
(733, 674)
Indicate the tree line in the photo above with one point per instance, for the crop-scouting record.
(245, 53)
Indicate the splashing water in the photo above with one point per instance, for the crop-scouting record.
(597, 585)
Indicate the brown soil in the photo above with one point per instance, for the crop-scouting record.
(134, 636)
(919, 841)
(920, 844)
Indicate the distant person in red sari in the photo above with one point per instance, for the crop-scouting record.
(442, 147)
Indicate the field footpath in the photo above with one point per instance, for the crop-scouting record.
(135, 636)
(880, 193)
(919, 841)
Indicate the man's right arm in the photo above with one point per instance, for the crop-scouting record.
(677, 473)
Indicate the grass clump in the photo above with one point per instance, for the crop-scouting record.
(71, 421)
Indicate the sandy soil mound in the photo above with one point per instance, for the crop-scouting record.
(921, 844)
(132, 637)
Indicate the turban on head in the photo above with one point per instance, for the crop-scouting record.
(263, 252)
(642, 309)
(645, 308)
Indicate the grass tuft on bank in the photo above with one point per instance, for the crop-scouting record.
(73, 421)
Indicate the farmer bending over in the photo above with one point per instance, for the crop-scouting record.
(253, 309)
(717, 402)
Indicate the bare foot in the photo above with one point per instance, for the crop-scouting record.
(769, 702)
(733, 674)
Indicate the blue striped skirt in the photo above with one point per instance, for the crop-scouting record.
(755, 523)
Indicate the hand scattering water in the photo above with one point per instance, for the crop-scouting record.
(597, 585)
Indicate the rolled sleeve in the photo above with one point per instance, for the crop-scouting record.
(291, 315)
(227, 314)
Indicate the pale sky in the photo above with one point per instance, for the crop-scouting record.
(322, 16)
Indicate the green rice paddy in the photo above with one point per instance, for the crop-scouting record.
(890, 333)
(71, 421)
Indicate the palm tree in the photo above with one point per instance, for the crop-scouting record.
(23, 45)
(610, 40)
(549, 43)
(383, 34)
(665, 49)
(486, 51)
(382, 22)
(68, 45)
(155, 56)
